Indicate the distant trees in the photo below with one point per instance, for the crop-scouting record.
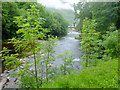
(68, 14)
(104, 13)
(9, 10)
(53, 22)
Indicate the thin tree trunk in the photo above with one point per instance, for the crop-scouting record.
(41, 75)
(35, 67)
(86, 59)
(47, 68)
(35, 63)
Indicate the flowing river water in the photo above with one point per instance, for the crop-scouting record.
(68, 43)
(65, 43)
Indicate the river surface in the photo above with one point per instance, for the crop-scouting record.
(68, 43)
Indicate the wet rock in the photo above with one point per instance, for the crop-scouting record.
(8, 79)
(49, 65)
(42, 54)
(2, 75)
(76, 60)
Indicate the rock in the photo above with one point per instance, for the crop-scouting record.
(49, 65)
(21, 59)
(15, 80)
(2, 75)
(76, 60)
(42, 54)
(8, 77)
(7, 80)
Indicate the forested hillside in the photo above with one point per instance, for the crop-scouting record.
(68, 14)
(52, 21)
(103, 13)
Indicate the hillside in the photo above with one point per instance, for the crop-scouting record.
(66, 13)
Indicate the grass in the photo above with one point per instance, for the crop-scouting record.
(104, 75)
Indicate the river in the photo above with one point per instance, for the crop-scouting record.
(68, 43)
(65, 43)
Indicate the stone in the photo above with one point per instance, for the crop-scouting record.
(49, 65)
(76, 60)
(2, 75)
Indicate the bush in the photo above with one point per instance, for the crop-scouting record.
(111, 43)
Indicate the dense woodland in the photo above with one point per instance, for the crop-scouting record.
(53, 21)
(103, 13)
(99, 23)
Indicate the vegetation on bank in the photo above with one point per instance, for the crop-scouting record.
(104, 75)
(104, 13)
(52, 21)
(99, 43)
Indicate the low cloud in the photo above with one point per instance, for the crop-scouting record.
(58, 4)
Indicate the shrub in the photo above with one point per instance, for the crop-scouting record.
(111, 43)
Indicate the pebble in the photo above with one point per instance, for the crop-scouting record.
(42, 54)
(49, 65)
(2, 75)
(8, 77)
(76, 60)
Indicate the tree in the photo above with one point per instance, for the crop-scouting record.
(104, 13)
(90, 42)
(31, 30)
(9, 28)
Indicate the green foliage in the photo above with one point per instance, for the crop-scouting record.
(93, 47)
(60, 25)
(67, 58)
(104, 13)
(9, 10)
(104, 75)
(31, 30)
(26, 77)
(90, 42)
(111, 44)
(48, 54)
(10, 60)
(55, 23)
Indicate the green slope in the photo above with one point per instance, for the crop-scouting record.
(104, 75)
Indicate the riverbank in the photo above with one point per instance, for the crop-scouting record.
(5, 80)
(104, 75)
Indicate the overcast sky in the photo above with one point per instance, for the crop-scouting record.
(59, 4)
